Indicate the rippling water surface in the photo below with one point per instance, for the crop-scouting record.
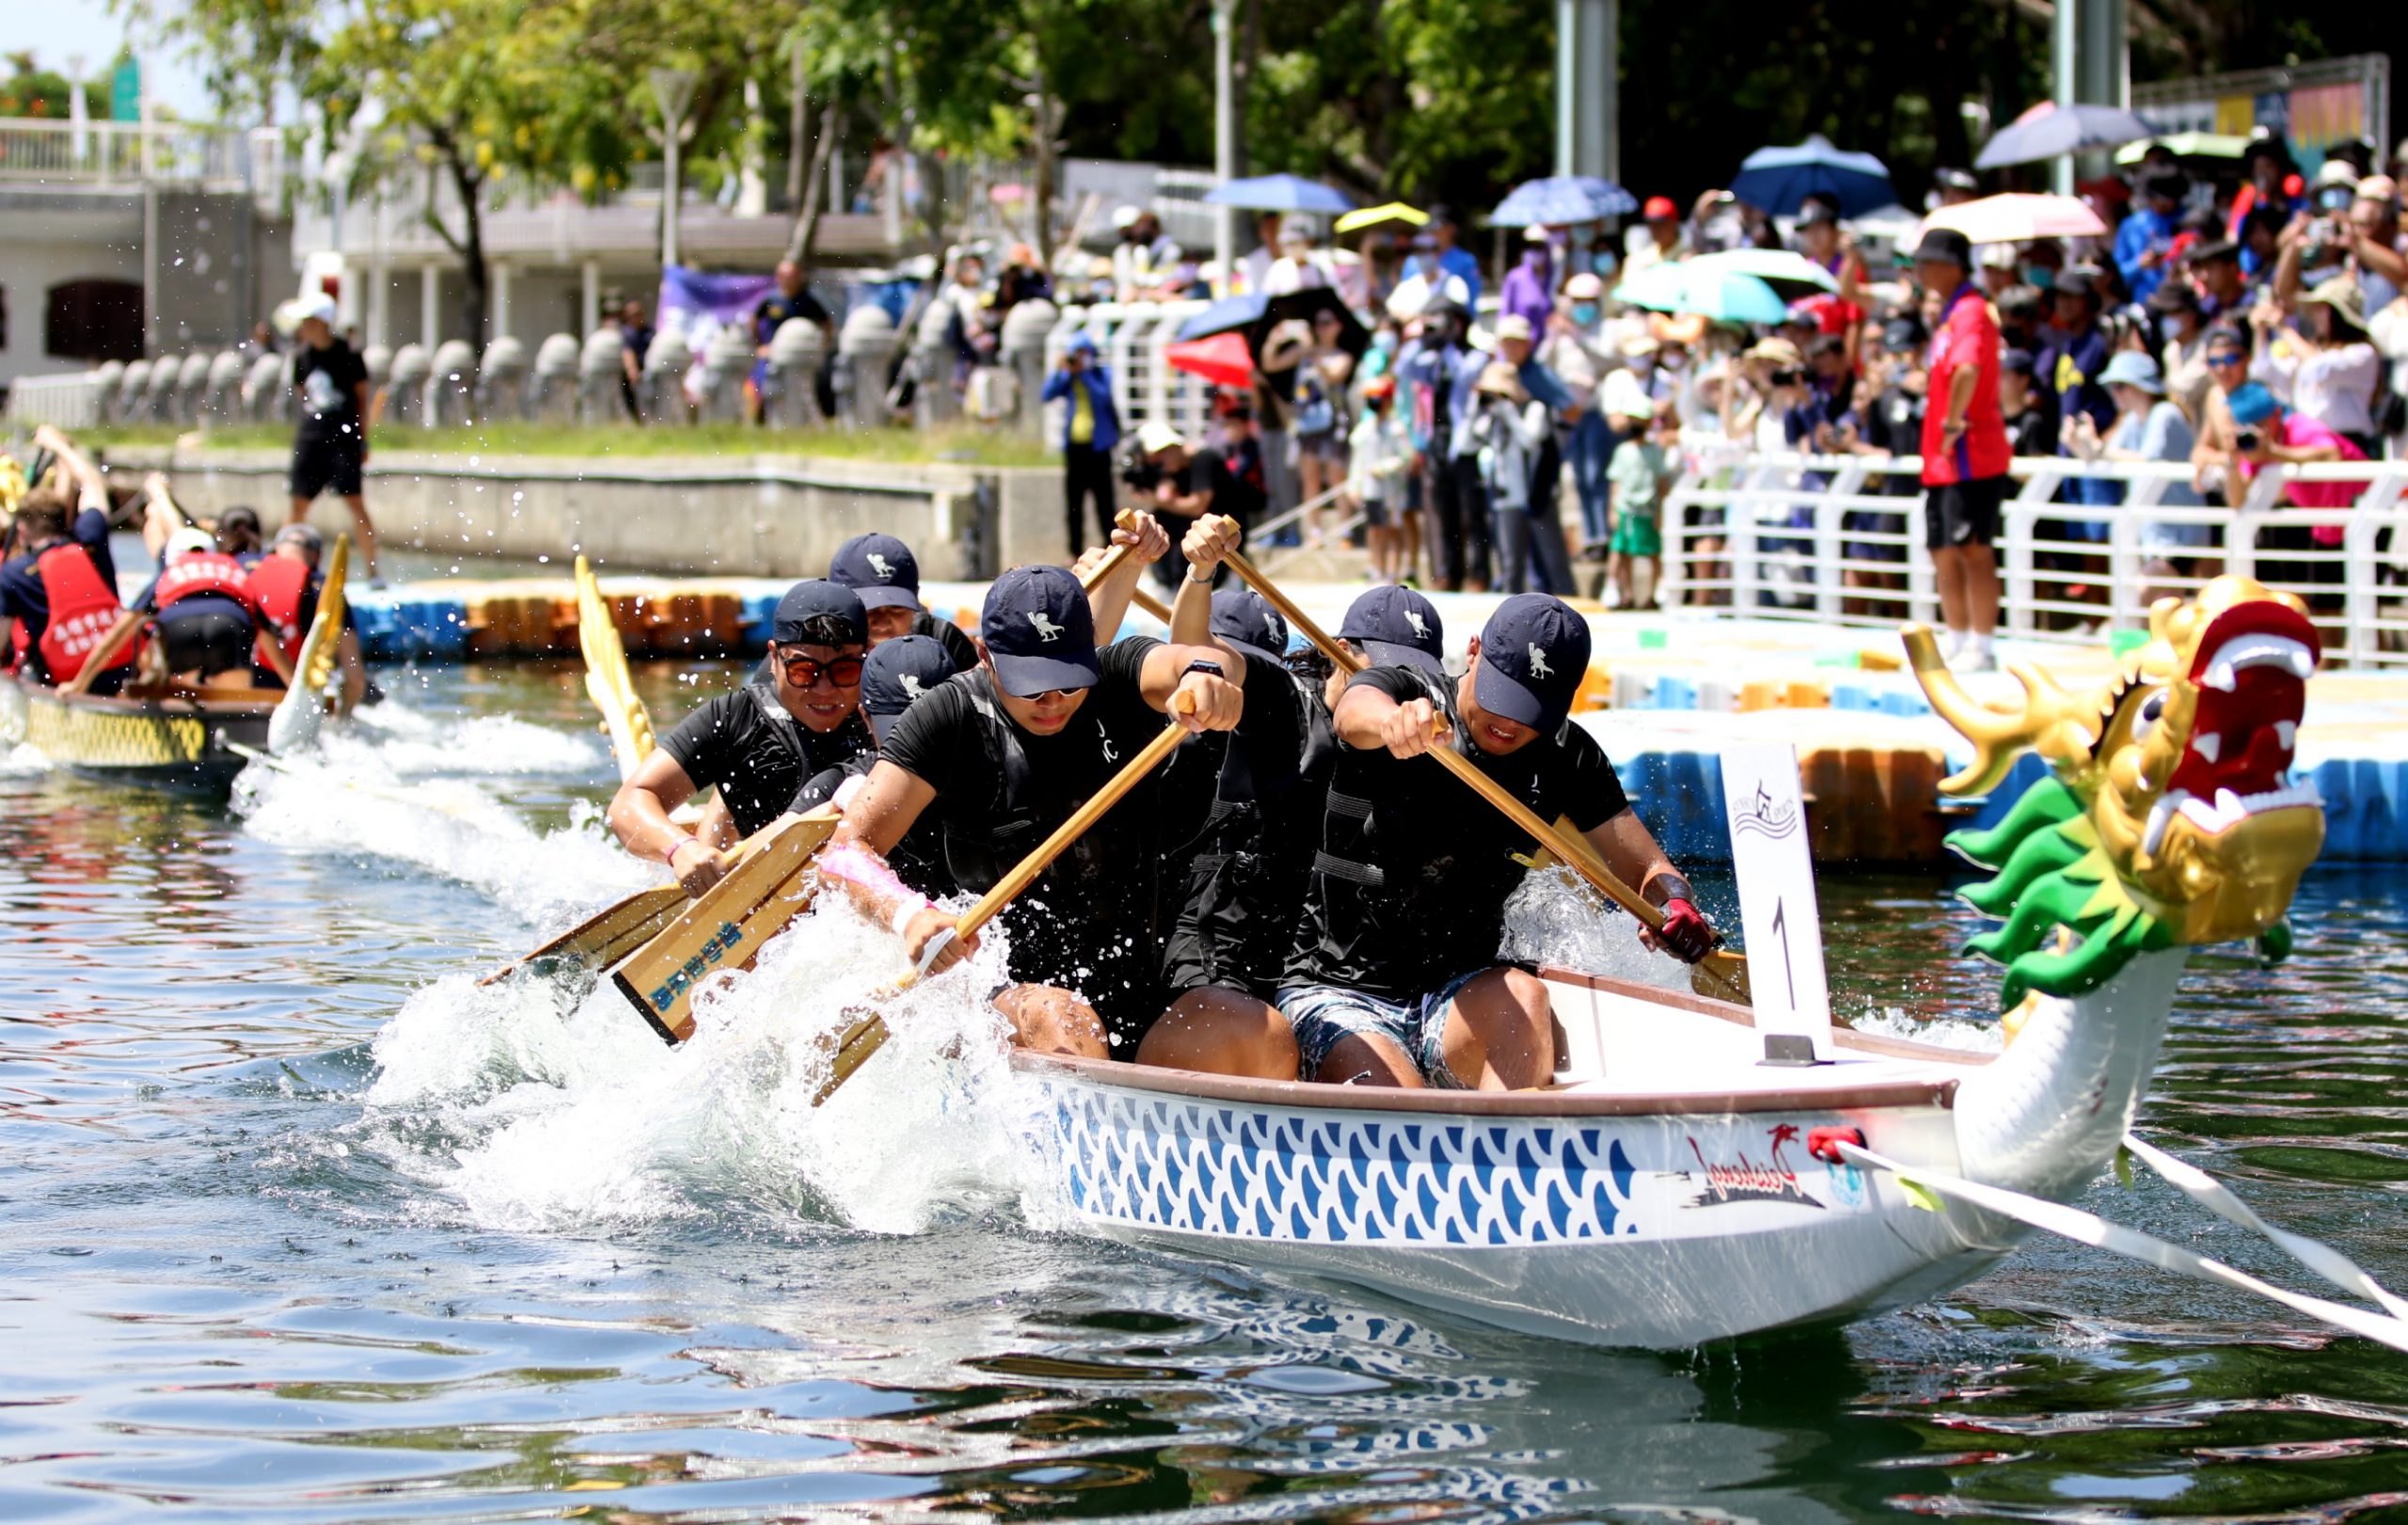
(297, 1224)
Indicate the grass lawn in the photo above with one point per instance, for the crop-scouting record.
(955, 443)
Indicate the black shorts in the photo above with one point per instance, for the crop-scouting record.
(205, 634)
(1963, 514)
(326, 465)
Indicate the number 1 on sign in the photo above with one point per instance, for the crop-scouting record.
(1781, 927)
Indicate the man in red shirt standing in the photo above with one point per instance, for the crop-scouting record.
(1965, 452)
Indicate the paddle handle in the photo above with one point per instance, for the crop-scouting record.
(1581, 858)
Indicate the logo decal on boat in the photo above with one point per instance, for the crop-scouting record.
(711, 954)
(1763, 817)
(1748, 1182)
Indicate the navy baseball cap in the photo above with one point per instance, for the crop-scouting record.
(897, 672)
(880, 569)
(818, 597)
(1039, 632)
(1533, 653)
(1245, 620)
(1399, 628)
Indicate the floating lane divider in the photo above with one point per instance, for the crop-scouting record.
(2089, 1228)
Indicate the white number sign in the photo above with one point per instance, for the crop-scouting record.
(1775, 875)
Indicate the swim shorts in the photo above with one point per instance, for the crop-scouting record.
(1323, 1015)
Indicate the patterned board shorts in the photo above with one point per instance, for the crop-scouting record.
(1323, 1014)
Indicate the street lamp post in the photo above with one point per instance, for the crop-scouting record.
(675, 89)
(1224, 137)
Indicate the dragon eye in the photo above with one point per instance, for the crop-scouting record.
(2144, 719)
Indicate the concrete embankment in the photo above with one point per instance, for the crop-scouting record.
(758, 516)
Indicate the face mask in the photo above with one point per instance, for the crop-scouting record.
(2168, 328)
(2036, 276)
(1602, 262)
(1585, 314)
(1674, 359)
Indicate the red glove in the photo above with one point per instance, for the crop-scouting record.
(1685, 933)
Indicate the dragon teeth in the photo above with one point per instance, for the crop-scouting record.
(2287, 732)
(2258, 651)
(2219, 675)
(2208, 745)
(2160, 816)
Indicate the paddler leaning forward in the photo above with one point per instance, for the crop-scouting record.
(761, 745)
(1396, 979)
(1005, 754)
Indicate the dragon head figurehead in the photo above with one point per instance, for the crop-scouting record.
(2167, 818)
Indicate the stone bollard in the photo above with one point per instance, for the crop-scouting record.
(790, 390)
(663, 392)
(502, 381)
(192, 387)
(599, 374)
(452, 385)
(107, 381)
(265, 396)
(223, 403)
(134, 392)
(406, 395)
(933, 401)
(725, 364)
(553, 399)
(1022, 348)
(864, 347)
(159, 405)
(378, 361)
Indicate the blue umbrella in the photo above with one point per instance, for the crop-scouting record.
(1721, 294)
(1224, 315)
(1280, 193)
(1563, 199)
(1781, 178)
(2048, 131)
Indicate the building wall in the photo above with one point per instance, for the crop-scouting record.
(30, 265)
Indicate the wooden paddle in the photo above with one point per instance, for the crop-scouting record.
(294, 724)
(607, 682)
(1721, 974)
(869, 1033)
(726, 927)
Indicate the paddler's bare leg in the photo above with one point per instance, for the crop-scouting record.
(1500, 1033)
(1369, 1059)
(1046, 1019)
(1222, 1032)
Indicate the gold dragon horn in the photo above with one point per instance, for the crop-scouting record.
(2057, 725)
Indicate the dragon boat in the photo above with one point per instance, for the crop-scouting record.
(1669, 1188)
(175, 742)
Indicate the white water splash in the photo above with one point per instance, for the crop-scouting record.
(344, 798)
(1972, 1036)
(20, 759)
(1555, 918)
(414, 745)
(553, 1115)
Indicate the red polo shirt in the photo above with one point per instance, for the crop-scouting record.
(1968, 336)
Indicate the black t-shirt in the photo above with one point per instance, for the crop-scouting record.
(1412, 872)
(758, 756)
(778, 306)
(1235, 476)
(328, 380)
(918, 860)
(1087, 923)
(2032, 432)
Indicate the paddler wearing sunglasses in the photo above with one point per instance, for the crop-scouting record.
(1004, 753)
(760, 745)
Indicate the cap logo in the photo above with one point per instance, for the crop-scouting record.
(1421, 627)
(911, 684)
(1043, 625)
(1538, 661)
(879, 565)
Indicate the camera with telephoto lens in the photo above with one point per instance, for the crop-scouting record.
(1789, 378)
(2247, 440)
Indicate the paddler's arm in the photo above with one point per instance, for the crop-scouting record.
(1212, 703)
(1207, 540)
(1369, 719)
(889, 804)
(1108, 600)
(639, 814)
(1630, 850)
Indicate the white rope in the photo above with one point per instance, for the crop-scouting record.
(2088, 1229)
(2315, 1254)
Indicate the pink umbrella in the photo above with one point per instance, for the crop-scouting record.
(2016, 216)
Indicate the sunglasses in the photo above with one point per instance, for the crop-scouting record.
(2227, 357)
(805, 672)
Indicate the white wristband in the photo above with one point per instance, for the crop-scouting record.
(903, 914)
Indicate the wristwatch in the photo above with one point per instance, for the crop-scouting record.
(1200, 666)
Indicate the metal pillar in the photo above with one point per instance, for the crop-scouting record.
(499, 271)
(2091, 65)
(1587, 88)
(430, 315)
(589, 298)
(1224, 137)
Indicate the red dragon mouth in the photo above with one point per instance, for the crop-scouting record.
(2251, 673)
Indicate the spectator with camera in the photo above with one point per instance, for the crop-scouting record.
(2328, 369)
(1090, 429)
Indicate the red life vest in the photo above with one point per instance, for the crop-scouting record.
(82, 609)
(278, 584)
(20, 642)
(207, 571)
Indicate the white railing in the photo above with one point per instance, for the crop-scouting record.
(69, 401)
(1769, 536)
(132, 154)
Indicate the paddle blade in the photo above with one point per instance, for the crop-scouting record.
(607, 681)
(854, 1046)
(295, 722)
(725, 929)
(604, 938)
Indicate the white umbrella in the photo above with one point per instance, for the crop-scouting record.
(2016, 216)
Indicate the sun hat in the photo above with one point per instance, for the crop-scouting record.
(1125, 217)
(1584, 287)
(1948, 244)
(2130, 368)
(2340, 294)
(1156, 436)
(2250, 404)
(1515, 326)
(1500, 380)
